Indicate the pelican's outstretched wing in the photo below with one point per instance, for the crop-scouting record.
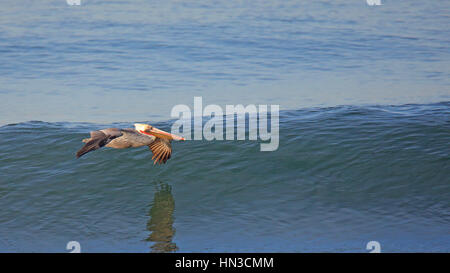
(161, 149)
(99, 139)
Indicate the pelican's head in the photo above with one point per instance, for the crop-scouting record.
(152, 131)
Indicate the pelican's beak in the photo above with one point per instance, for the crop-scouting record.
(163, 134)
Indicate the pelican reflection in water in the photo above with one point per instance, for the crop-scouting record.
(161, 220)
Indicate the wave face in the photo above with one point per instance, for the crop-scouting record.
(342, 177)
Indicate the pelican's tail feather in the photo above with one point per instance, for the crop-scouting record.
(99, 139)
(92, 145)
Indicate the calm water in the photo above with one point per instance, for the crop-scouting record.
(364, 130)
(114, 61)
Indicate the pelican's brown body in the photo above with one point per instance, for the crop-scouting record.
(157, 140)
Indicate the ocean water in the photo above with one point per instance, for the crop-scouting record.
(342, 176)
(364, 127)
(122, 61)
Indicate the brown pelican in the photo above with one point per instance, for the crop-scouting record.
(143, 135)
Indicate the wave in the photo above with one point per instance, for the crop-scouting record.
(375, 166)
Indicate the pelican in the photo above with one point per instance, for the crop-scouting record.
(143, 135)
